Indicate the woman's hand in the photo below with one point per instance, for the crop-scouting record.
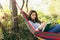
(43, 24)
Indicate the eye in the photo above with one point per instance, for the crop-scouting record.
(34, 14)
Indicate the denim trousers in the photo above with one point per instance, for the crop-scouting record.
(56, 29)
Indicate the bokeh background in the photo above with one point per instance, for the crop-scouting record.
(12, 24)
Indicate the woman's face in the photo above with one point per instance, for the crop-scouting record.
(33, 16)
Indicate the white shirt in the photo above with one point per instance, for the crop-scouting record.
(36, 25)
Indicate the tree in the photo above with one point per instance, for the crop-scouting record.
(1, 6)
(27, 5)
(23, 2)
(14, 14)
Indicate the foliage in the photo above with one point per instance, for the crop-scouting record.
(23, 32)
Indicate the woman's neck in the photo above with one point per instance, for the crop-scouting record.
(34, 21)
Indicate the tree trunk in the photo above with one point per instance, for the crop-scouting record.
(22, 4)
(27, 5)
(14, 14)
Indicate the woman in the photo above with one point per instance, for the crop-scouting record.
(33, 19)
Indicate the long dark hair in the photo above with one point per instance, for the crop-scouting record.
(36, 19)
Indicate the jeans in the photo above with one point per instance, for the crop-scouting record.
(56, 29)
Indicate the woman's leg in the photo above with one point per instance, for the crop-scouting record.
(56, 28)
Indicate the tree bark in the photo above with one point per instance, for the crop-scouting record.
(14, 14)
(1, 6)
(27, 5)
(22, 4)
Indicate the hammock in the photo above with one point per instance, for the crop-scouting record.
(46, 35)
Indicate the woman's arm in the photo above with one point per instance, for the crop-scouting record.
(42, 26)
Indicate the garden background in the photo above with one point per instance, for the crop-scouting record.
(12, 24)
